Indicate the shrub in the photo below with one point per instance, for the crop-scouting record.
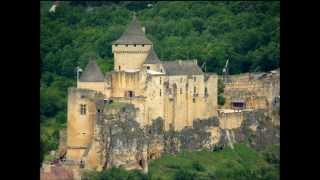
(184, 174)
(221, 100)
(197, 166)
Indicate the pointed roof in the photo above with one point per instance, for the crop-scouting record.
(92, 73)
(152, 58)
(181, 68)
(133, 35)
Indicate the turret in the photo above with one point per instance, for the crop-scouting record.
(132, 48)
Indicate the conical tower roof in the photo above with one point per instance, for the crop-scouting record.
(92, 73)
(133, 34)
(152, 58)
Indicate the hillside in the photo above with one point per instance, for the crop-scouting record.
(245, 32)
(239, 163)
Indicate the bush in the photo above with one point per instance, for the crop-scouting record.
(184, 174)
(197, 166)
(221, 100)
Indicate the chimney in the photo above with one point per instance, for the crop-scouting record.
(144, 29)
(195, 62)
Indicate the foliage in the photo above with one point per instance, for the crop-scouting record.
(239, 163)
(245, 32)
(114, 174)
(221, 99)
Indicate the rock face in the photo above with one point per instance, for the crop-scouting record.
(49, 172)
(120, 141)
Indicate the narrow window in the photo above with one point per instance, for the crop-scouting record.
(148, 67)
(160, 92)
(142, 45)
(180, 90)
(134, 45)
(205, 91)
(194, 79)
(194, 90)
(116, 45)
(126, 45)
(193, 100)
(83, 109)
(119, 68)
(160, 80)
(160, 70)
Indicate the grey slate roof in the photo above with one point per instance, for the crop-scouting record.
(92, 73)
(181, 68)
(133, 34)
(152, 58)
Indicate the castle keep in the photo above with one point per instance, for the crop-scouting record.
(176, 91)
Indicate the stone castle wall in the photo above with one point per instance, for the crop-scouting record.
(80, 127)
(257, 90)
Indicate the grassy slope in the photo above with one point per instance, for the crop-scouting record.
(240, 163)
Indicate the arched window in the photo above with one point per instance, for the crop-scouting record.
(160, 92)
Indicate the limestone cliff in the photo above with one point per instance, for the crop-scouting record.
(120, 140)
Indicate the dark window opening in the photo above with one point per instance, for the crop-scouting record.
(206, 91)
(193, 100)
(126, 45)
(98, 110)
(160, 92)
(82, 96)
(238, 105)
(142, 45)
(83, 109)
(160, 70)
(160, 80)
(194, 79)
(116, 45)
(119, 68)
(194, 90)
(180, 90)
(141, 163)
(134, 45)
(148, 67)
(130, 94)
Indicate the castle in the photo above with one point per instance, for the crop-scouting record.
(176, 91)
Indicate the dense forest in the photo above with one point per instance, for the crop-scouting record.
(246, 33)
